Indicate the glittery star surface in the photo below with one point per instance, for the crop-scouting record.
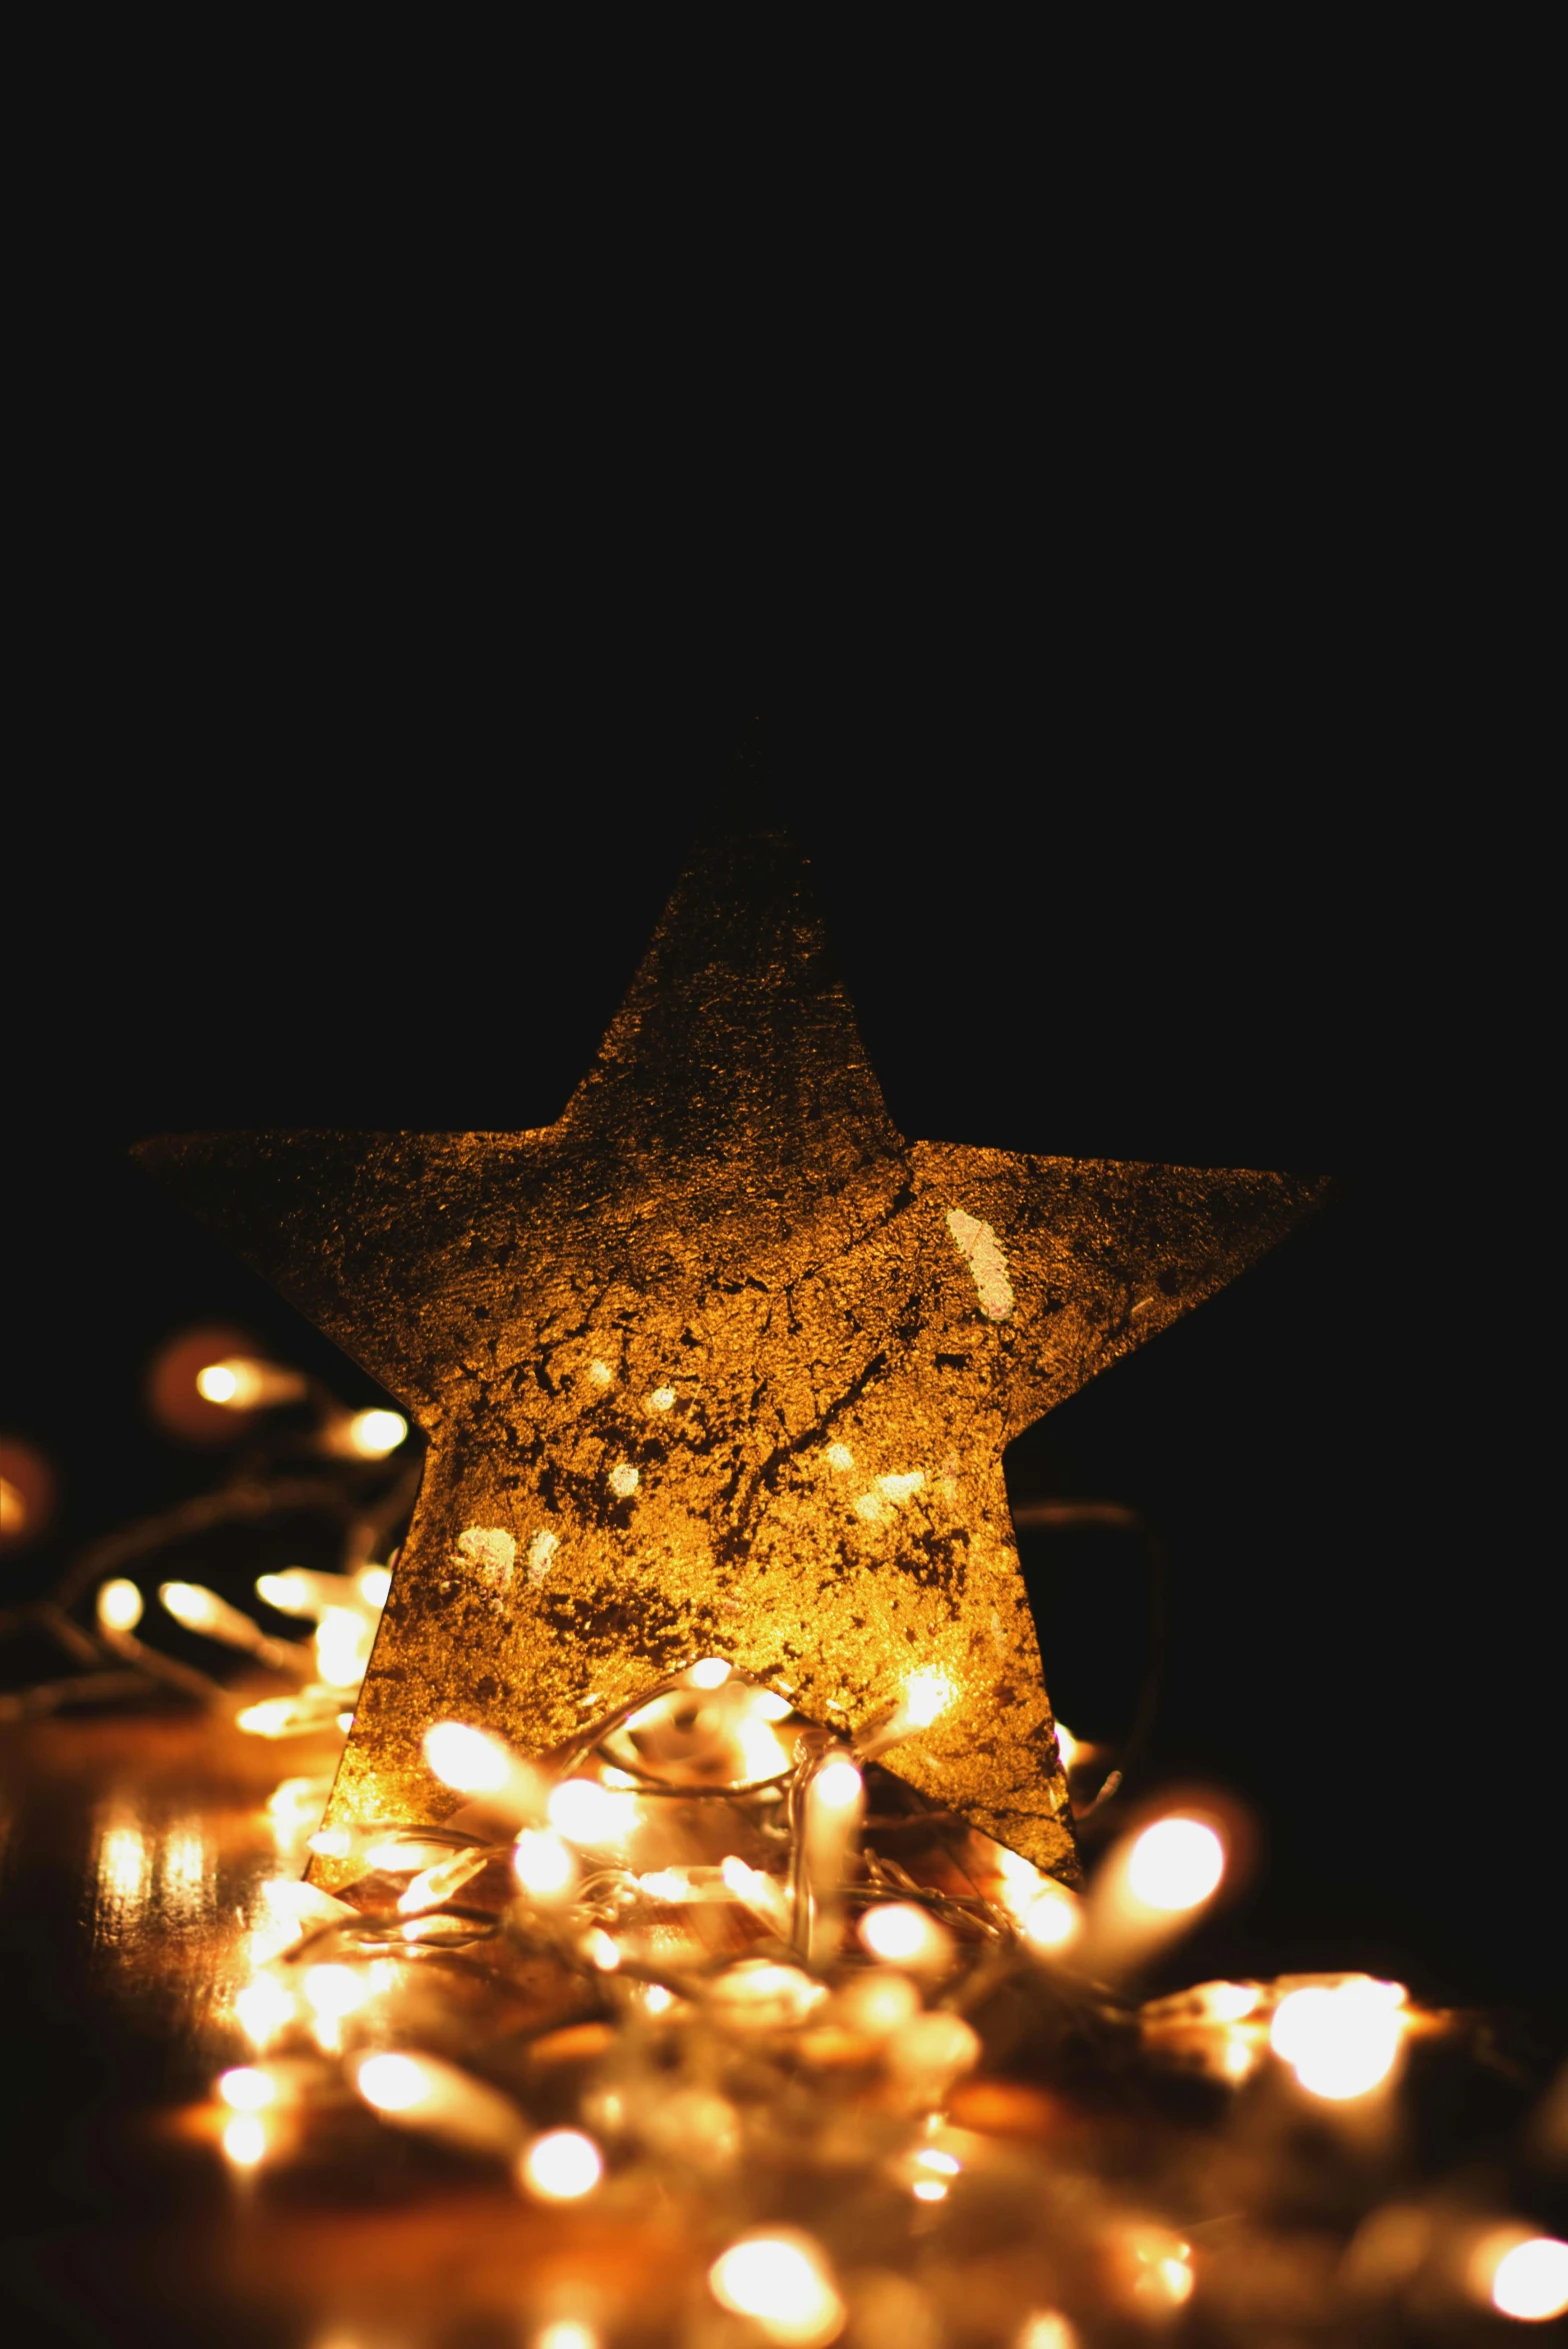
(719, 1364)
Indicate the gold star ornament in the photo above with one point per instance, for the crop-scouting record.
(719, 1365)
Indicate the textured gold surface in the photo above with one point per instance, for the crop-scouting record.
(720, 1365)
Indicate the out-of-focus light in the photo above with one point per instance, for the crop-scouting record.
(931, 2157)
(334, 1843)
(837, 1786)
(375, 1582)
(1175, 1864)
(343, 1642)
(657, 1999)
(566, 2333)
(119, 1606)
(1054, 1919)
(879, 2003)
(335, 1990)
(1523, 2276)
(393, 2083)
(466, 1758)
(1226, 2002)
(189, 1604)
(373, 1434)
(242, 1382)
(600, 1950)
(779, 2282)
(1046, 2329)
(290, 1592)
(929, 2190)
(1340, 2042)
(768, 1707)
(542, 1864)
(245, 2140)
(248, 2090)
(434, 1885)
(758, 1995)
(712, 1672)
(927, 1694)
(1067, 1745)
(561, 2166)
(585, 1812)
(263, 2007)
(903, 1935)
(929, 2052)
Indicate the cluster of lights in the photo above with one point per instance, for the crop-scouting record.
(1339, 2038)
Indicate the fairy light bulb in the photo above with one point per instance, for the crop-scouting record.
(393, 2083)
(585, 1812)
(1054, 1918)
(543, 1864)
(903, 1935)
(1175, 1865)
(217, 1383)
(245, 2140)
(466, 1758)
(779, 2282)
(1341, 2042)
(245, 2089)
(837, 1786)
(375, 1583)
(119, 1606)
(374, 1434)
(711, 1672)
(1523, 2276)
(334, 1991)
(263, 2006)
(561, 2166)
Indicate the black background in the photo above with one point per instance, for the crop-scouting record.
(1204, 905)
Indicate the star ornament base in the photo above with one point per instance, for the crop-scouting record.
(719, 1365)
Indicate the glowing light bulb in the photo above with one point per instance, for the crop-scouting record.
(926, 1695)
(466, 1758)
(373, 1434)
(393, 2083)
(189, 1604)
(1053, 1919)
(566, 2334)
(586, 1812)
(929, 2190)
(248, 2090)
(245, 2140)
(931, 2157)
(779, 2282)
(1067, 1745)
(879, 2003)
(1340, 2042)
(119, 1606)
(375, 1582)
(1047, 2328)
(1175, 1864)
(904, 1935)
(217, 1383)
(837, 1786)
(542, 1864)
(561, 2166)
(263, 2007)
(1527, 2280)
(712, 1672)
(291, 1592)
(335, 1990)
(343, 1642)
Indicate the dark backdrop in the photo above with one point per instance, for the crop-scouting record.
(1198, 920)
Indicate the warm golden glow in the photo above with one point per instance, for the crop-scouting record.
(561, 2166)
(373, 1434)
(119, 1606)
(1047, 2329)
(565, 2333)
(1523, 2276)
(543, 1865)
(1175, 1865)
(1341, 2042)
(344, 1638)
(466, 1758)
(779, 2282)
(1054, 1920)
(931, 2157)
(901, 1934)
(837, 1787)
(217, 1383)
(587, 1813)
(712, 1672)
(292, 1592)
(393, 2083)
(929, 2190)
(333, 1991)
(245, 2140)
(1067, 1745)
(248, 2090)
(375, 1582)
(927, 1694)
(263, 2006)
(879, 2002)
(189, 1604)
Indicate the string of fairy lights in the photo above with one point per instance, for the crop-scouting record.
(815, 2022)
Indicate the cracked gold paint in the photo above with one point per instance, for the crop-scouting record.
(720, 1365)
